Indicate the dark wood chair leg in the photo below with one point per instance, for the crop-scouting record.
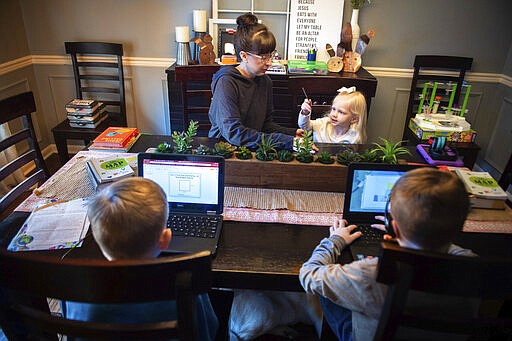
(62, 147)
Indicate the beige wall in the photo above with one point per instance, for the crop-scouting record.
(33, 34)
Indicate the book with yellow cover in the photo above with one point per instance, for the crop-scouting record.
(116, 137)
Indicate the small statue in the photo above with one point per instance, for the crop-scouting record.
(206, 54)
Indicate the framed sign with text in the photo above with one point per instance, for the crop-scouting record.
(314, 23)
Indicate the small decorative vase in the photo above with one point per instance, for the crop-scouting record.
(356, 31)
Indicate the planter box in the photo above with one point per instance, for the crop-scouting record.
(312, 176)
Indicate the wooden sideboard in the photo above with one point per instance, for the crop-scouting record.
(285, 98)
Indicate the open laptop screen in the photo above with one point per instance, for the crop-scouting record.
(371, 189)
(190, 182)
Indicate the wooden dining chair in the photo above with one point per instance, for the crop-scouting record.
(195, 81)
(16, 112)
(432, 68)
(179, 278)
(98, 73)
(406, 270)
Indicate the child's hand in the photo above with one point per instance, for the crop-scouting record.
(340, 229)
(299, 133)
(381, 227)
(305, 108)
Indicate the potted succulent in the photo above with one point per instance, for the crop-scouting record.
(224, 149)
(164, 147)
(183, 141)
(266, 150)
(285, 155)
(325, 158)
(347, 156)
(387, 151)
(304, 147)
(203, 150)
(244, 153)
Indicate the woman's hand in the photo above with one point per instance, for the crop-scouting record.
(305, 108)
(340, 229)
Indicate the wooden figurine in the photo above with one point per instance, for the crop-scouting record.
(206, 54)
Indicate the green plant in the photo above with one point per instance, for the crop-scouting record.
(388, 151)
(244, 153)
(369, 155)
(266, 150)
(164, 147)
(325, 158)
(357, 4)
(284, 155)
(304, 146)
(204, 150)
(224, 149)
(348, 156)
(183, 140)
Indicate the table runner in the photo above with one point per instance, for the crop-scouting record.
(252, 204)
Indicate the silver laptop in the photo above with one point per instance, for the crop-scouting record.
(194, 185)
(367, 193)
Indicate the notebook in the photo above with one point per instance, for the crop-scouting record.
(194, 185)
(368, 189)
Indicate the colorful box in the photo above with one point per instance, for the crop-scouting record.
(455, 136)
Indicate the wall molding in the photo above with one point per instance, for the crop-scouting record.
(386, 72)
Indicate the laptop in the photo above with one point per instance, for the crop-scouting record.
(367, 193)
(194, 185)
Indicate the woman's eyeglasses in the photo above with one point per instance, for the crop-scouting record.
(265, 58)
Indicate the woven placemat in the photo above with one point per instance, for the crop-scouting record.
(281, 199)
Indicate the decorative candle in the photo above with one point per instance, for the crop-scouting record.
(182, 34)
(199, 20)
(465, 103)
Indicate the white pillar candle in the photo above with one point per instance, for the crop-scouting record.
(199, 20)
(182, 34)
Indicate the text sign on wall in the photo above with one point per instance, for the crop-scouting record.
(314, 23)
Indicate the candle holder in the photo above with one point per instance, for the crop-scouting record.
(197, 48)
(183, 56)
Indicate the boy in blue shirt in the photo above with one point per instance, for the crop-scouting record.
(128, 221)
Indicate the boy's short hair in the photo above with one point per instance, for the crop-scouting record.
(429, 206)
(128, 217)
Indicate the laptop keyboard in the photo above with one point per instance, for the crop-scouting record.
(200, 226)
(370, 235)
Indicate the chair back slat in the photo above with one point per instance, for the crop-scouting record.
(14, 110)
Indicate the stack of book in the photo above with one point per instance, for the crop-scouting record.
(484, 191)
(85, 113)
(103, 171)
(115, 139)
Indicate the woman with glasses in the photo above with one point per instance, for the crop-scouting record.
(242, 105)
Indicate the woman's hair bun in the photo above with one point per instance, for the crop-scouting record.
(247, 19)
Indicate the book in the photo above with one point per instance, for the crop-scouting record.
(53, 224)
(85, 111)
(116, 137)
(484, 191)
(109, 168)
(124, 149)
(81, 103)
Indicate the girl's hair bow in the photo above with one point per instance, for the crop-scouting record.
(347, 90)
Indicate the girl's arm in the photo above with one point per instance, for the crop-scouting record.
(304, 120)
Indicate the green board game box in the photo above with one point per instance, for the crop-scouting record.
(307, 67)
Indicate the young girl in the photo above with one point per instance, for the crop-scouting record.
(345, 123)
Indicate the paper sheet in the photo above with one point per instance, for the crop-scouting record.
(54, 224)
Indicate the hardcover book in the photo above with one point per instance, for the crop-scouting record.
(108, 169)
(117, 137)
(85, 111)
(484, 191)
(81, 103)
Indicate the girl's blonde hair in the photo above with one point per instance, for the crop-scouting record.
(357, 104)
